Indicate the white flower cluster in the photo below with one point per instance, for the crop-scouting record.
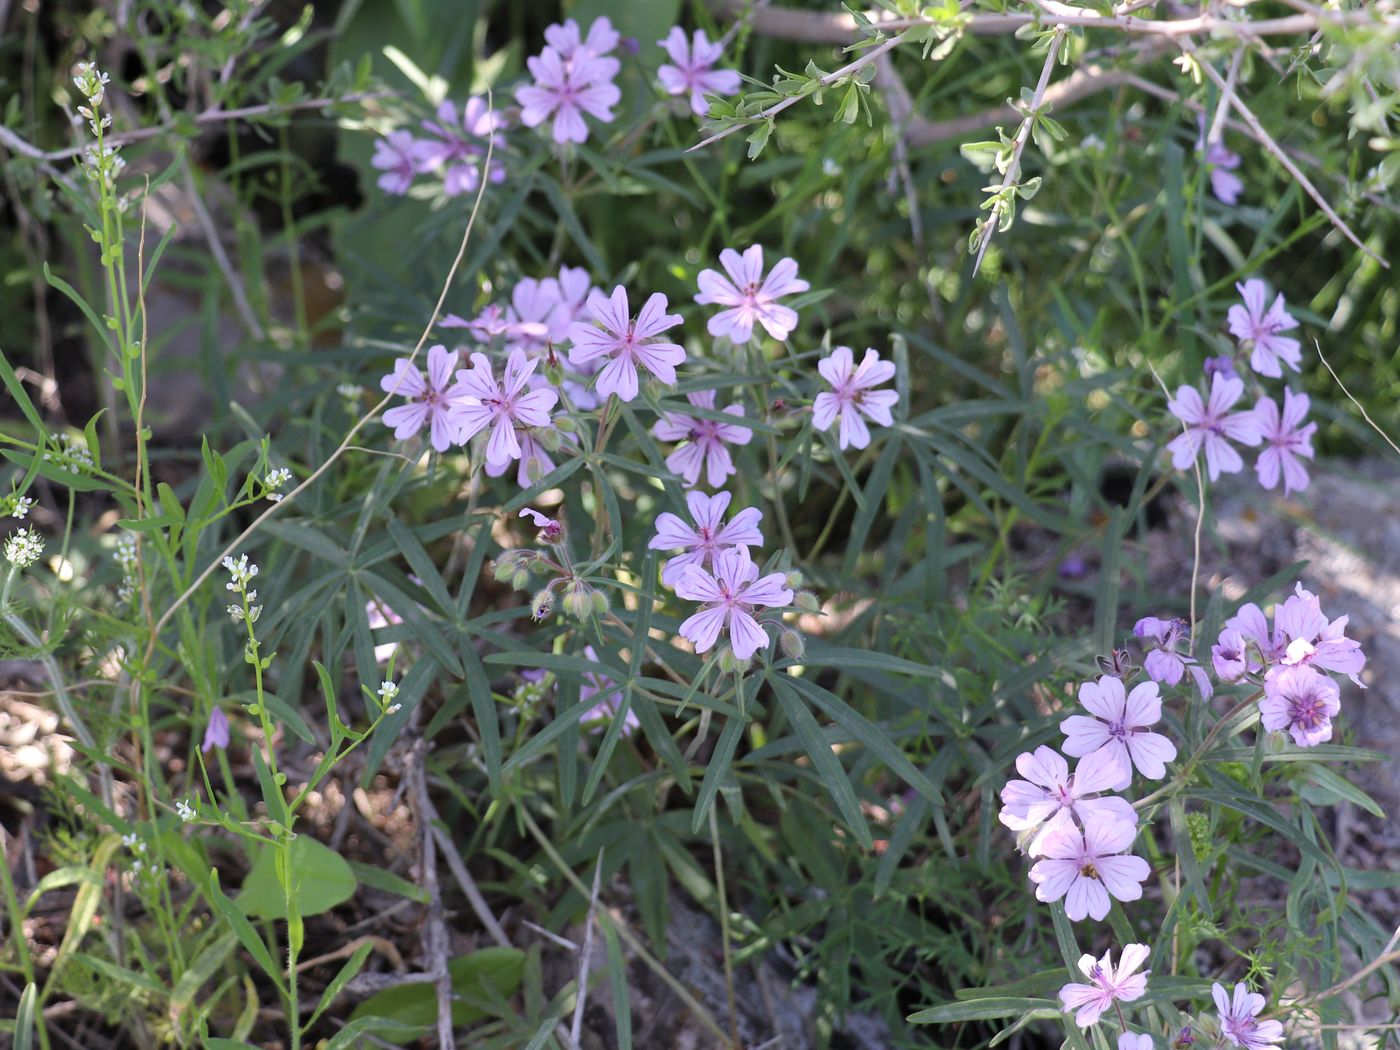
(125, 556)
(23, 548)
(185, 810)
(92, 82)
(241, 573)
(71, 455)
(18, 506)
(387, 692)
(274, 480)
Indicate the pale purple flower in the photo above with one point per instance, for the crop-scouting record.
(1259, 324)
(1230, 656)
(597, 714)
(709, 534)
(550, 529)
(1134, 1041)
(1212, 425)
(1222, 364)
(1120, 723)
(216, 732)
(1051, 799)
(1286, 441)
(1301, 701)
(1164, 663)
(401, 157)
(1239, 1018)
(1086, 868)
(460, 147)
(575, 286)
(625, 342)
(1107, 984)
(750, 298)
(566, 89)
(730, 596)
(705, 441)
(691, 69)
(534, 318)
(431, 403)
(1221, 164)
(1302, 635)
(851, 396)
(485, 326)
(502, 405)
(567, 39)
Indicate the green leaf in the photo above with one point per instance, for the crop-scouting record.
(247, 936)
(24, 1018)
(824, 760)
(485, 974)
(340, 980)
(319, 876)
(200, 971)
(981, 1010)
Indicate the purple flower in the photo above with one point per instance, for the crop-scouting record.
(749, 297)
(1086, 868)
(1286, 440)
(1230, 656)
(1302, 635)
(1222, 364)
(1254, 323)
(1164, 663)
(1051, 799)
(550, 529)
(1211, 424)
(570, 42)
(730, 596)
(432, 403)
(625, 342)
(1120, 723)
(691, 71)
(1107, 985)
(1221, 164)
(459, 150)
(566, 89)
(705, 441)
(502, 405)
(596, 714)
(534, 318)
(709, 535)
(216, 732)
(851, 396)
(400, 156)
(1301, 701)
(1239, 1018)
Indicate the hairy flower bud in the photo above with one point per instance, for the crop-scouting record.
(578, 599)
(794, 579)
(792, 643)
(600, 603)
(541, 605)
(730, 664)
(807, 602)
(548, 439)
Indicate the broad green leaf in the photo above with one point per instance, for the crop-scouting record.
(320, 879)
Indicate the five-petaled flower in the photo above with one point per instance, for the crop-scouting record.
(1107, 984)
(503, 404)
(458, 149)
(1164, 663)
(1258, 323)
(626, 342)
(1211, 424)
(1301, 701)
(401, 157)
(1119, 723)
(432, 402)
(1286, 440)
(730, 596)
(1239, 1018)
(1086, 868)
(705, 440)
(1221, 164)
(691, 69)
(1050, 799)
(709, 535)
(851, 395)
(566, 89)
(750, 298)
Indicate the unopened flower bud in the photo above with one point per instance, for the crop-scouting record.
(548, 439)
(792, 643)
(730, 664)
(794, 579)
(565, 425)
(600, 603)
(578, 599)
(520, 579)
(552, 371)
(807, 602)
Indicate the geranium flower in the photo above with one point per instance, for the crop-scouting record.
(705, 440)
(502, 405)
(1120, 724)
(703, 540)
(569, 41)
(459, 149)
(432, 403)
(1230, 656)
(730, 596)
(1220, 165)
(851, 396)
(1107, 985)
(1050, 799)
(1302, 635)
(626, 342)
(1301, 701)
(1086, 868)
(1239, 1018)
(750, 297)
(534, 319)
(550, 529)
(566, 89)
(1259, 325)
(692, 72)
(1212, 425)
(401, 157)
(1164, 663)
(1286, 441)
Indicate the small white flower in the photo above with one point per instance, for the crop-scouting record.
(275, 479)
(388, 691)
(20, 507)
(137, 867)
(350, 391)
(393, 709)
(129, 840)
(241, 572)
(23, 548)
(275, 497)
(185, 810)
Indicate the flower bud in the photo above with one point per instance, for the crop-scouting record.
(794, 579)
(600, 603)
(730, 664)
(548, 439)
(807, 602)
(520, 579)
(578, 599)
(541, 606)
(565, 425)
(792, 643)
(552, 371)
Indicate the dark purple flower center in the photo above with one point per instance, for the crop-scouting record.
(1307, 710)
